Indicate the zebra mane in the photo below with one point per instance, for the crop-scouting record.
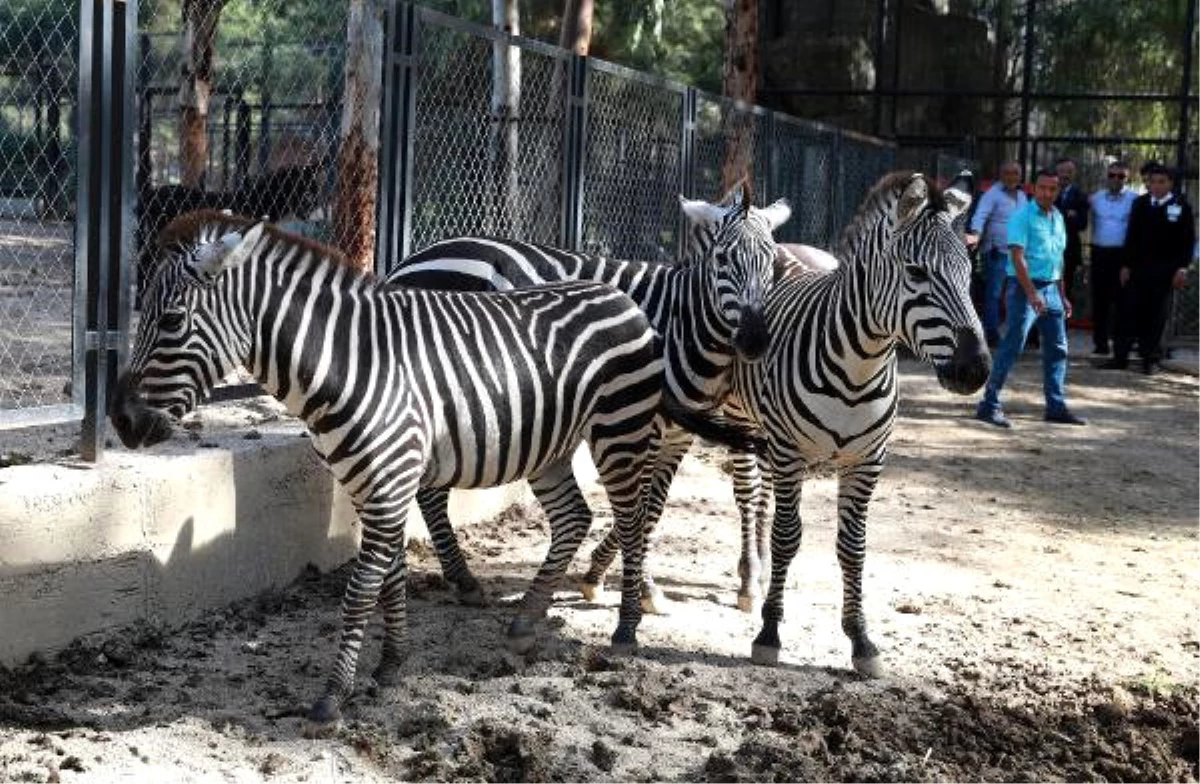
(881, 199)
(204, 226)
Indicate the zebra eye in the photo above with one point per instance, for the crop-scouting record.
(917, 273)
(171, 320)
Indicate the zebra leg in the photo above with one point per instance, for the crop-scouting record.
(434, 503)
(785, 542)
(674, 444)
(855, 488)
(393, 597)
(380, 556)
(570, 518)
(747, 489)
(763, 525)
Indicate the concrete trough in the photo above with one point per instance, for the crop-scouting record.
(164, 534)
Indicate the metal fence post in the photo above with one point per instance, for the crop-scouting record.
(104, 199)
(575, 135)
(393, 233)
(687, 162)
(837, 183)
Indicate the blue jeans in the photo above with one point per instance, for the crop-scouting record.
(1053, 327)
(995, 264)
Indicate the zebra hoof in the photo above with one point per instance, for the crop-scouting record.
(654, 602)
(591, 591)
(387, 674)
(323, 718)
(748, 603)
(473, 597)
(521, 636)
(868, 666)
(624, 642)
(766, 655)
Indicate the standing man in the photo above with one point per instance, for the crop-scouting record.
(1037, 238)
(1110, 222)
(1158, 248)
(989, 232)
(1072, 202)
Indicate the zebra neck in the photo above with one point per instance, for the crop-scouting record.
(698, 349)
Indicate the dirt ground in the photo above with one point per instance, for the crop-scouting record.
(1034, 592)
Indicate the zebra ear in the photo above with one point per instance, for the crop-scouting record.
(229, 251)
(777, 213)
(913, 200)
(699, 211)
(958, 194)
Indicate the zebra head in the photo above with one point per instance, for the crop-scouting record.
(733, 241)
(937, 320)
(184, 344)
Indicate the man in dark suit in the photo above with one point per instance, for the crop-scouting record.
(1158, 249)
(1073, 203)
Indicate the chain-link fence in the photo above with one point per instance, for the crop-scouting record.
(239, 105)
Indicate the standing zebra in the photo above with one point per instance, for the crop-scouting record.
(825, 395)
(708, 310)
(403, 389)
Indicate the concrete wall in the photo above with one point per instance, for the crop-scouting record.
(163, 534)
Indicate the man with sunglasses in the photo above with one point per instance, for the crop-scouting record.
(1110, 222)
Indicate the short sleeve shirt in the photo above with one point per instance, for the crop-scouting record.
(1043, 236)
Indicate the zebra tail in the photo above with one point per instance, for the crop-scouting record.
(714, 427)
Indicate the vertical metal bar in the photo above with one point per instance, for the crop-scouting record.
(881, 9)
(83, 391)
(837, 195)
(768, 119)
(398, 122)
(1185, 101)
(687, 163)
(574, 153)
(1027, 82)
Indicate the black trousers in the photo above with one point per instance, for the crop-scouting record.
(1105, 291)
(1145, 305)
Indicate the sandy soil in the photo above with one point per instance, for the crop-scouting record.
(1034, 591)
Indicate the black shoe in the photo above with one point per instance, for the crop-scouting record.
(1114, 364)
(1065, 417)
(995, 418)
(1150, 368)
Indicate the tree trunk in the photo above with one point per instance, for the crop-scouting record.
(200, 19)
(576, 31)
(740, 84)
(358, 154)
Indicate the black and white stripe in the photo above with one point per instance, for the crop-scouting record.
(708, 310)
(405, 389)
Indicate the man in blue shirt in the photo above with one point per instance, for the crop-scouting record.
(1037, 237)
(1110, 222)
(989, 231)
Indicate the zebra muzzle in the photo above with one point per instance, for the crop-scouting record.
(969, 366)
(751, 338)
(137, 424)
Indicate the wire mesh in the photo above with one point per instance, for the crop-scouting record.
(488, 139)
(719, 124)
(38, 78)
(631, 166)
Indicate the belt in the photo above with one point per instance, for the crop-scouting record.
(1041, 284)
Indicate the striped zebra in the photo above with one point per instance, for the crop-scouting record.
(708, 308)
(825, 395)
(404, 389)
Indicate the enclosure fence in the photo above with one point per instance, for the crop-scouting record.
(481, 132)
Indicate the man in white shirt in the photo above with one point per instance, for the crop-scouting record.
(1110, 222)
(989, 231)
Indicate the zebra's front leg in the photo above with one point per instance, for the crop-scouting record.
(434, 504)
(674, 444)
(855, 488)
(380, 557)
(752, 492)
(393, 599)
(570, 518)
(786, 532)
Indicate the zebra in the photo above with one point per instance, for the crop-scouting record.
(825, 395)
(707, 308)
(404, 389)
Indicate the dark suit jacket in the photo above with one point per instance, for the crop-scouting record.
(1160, 238)
(1068, 201)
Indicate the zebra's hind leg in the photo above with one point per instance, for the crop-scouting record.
(855, 488)
(785, 542)
(434, 503)
(569, 517)
(393, 596)
(673, 443)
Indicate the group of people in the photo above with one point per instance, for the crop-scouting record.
(1031, 248)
